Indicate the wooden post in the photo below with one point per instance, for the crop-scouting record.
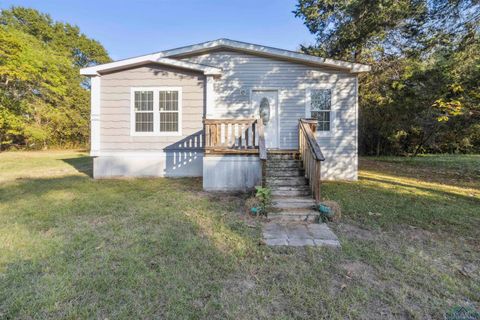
(313, 123)
(254, 125)
(207, 135)
(317, 181)
(213, 135)
(264, 173)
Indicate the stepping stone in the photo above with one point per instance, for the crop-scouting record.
(321, 232)
(297, 234)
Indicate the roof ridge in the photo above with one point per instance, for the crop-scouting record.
(206, 46)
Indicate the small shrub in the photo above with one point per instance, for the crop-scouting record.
(335, 211)
(265, 197)
(259, 204)
(252, 202)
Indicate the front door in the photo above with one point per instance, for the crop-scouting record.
(265, 105)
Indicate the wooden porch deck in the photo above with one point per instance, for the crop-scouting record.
(247, 137)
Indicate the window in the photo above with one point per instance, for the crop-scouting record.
(321, 108)
(156, 111)
(143, 111)
(168, 104)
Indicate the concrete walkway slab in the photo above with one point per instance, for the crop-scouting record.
(298, 234)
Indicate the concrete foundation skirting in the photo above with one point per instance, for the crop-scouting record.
(231, 173)
(170, 164)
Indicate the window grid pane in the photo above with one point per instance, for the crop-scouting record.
(168, 121)
(323, 118)
(143, 100)
(144, 122)
(321, 99)
(168, 100)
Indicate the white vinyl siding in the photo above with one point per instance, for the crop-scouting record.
(243, 72)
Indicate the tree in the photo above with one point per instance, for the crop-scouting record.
(43, 98)
(424, 80)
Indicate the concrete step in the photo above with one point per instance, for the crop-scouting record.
(299, 233)
(285, 181)
(290, 193)
(286, 188)
(284, 164)
(284, 172)
(284, 156)
(306, 215)
(280, 203)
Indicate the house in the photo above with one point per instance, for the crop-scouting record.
(221, 109)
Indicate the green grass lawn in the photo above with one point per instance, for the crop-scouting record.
(73, 247)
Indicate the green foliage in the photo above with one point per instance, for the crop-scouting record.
(423, 92)
(265, 197)
(43, 99)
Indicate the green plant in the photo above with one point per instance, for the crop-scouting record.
(329, 211)
(462, 313)
(265, 197)
(251, 205)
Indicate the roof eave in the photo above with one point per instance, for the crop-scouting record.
(128, 63)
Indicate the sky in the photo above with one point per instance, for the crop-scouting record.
(131, 28)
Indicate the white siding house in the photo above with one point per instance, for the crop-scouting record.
(148, 112)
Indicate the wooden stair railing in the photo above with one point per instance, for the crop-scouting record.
(311, 154)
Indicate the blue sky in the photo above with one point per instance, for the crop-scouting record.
(131, 28)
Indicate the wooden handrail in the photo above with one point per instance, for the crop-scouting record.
(311, 155)
(307, 125)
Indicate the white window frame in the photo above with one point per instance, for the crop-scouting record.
(156, 112)
(333, 107)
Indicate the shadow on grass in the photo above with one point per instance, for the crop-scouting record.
(83, 164)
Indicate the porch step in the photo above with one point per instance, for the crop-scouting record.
(280, 203)
(284, 163)
(285, 155)
(285, 181)
(303, 190)
(287, 188)
(290, 192)
(292, 200)
(284, 172)
(306, 215)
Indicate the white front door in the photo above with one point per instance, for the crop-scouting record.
(265, 105)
